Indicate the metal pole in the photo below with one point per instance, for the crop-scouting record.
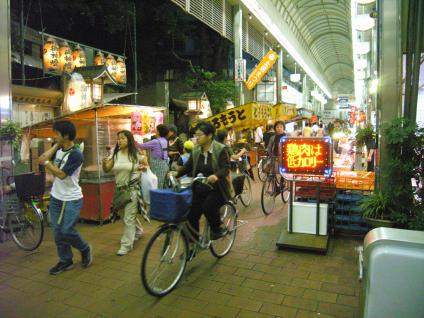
(135, 57)
(280, 71)
(409, 46)
(99, 190)
(318, 195)
(389, 75)
(22, 44)
(417, 57)
(291, 208)
(238, 46)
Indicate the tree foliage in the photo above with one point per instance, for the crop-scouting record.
(218, 90)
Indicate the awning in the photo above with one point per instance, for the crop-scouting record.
(35, 95)
(44, 129)
(112, 96)
(284, 112)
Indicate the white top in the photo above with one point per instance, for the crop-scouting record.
(258, 135)
(122, 167)
(70, 162)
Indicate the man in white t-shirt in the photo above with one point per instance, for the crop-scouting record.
(259, 136)
(64, 161)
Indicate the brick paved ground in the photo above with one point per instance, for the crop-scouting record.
(255, 280)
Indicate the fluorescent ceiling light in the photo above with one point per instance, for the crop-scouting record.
(295, 78)
(360, 75)
(363, 22)
(362, 47)
(360, 64)
(364, 1)
(254, 7)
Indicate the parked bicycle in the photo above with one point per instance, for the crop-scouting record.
(21, 215)
(273, 186)
(245, 193)
(167, 252)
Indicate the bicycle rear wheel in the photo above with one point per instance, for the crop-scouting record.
(222, 246)
(285, 193)
(246, 194)
(26, 226)
(268, 195)
(261, 172)
(164, 260)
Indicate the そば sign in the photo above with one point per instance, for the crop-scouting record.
(306, 156)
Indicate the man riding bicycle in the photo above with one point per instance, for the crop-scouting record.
(210, 158)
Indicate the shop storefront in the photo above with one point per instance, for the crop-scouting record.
(97, 127)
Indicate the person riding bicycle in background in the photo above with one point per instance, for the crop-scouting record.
(268, 134)
(210, 158)
(221, 137)
(274, 148)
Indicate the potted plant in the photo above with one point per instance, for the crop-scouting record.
(377, 209)
(405, 144)
(364, 135)
(12, 132)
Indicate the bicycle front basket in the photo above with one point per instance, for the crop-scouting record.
(169, 206)
(30, 184)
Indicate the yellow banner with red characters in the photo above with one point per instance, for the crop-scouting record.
(260, 70)
(245, 116)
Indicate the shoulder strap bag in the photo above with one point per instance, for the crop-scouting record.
(122, 194)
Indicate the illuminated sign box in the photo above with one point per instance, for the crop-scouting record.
(306, 156)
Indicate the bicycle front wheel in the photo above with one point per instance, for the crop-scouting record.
(246, 194)
(268, 195)
(26, 226)
(222, 246)
(164, 260)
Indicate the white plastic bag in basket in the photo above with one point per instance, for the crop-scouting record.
(148, 181)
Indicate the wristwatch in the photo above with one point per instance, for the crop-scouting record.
(45, 163)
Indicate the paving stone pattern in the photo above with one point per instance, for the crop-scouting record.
(255, 280)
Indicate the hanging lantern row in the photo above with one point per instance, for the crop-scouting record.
(116, 68)
(63, 59)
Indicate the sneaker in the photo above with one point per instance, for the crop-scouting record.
(122, 252)
(86, 256)
(217, 235)
(138, 235)
(61, 267)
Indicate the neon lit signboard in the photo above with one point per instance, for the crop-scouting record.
(306, 156)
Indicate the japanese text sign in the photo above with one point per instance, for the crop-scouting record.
(306, 156)
(352, 115)
(242, 116)
(240, 70)
(260, 70)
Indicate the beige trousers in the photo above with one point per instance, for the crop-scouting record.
(132, 224)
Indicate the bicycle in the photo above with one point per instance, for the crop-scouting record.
(20, 214)
(263, 168)
(167, 252)
(272, 187)
(245, 195)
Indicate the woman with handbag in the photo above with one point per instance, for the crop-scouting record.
(158, 154)
(126, 163)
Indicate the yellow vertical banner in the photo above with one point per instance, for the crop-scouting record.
(260, 70)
